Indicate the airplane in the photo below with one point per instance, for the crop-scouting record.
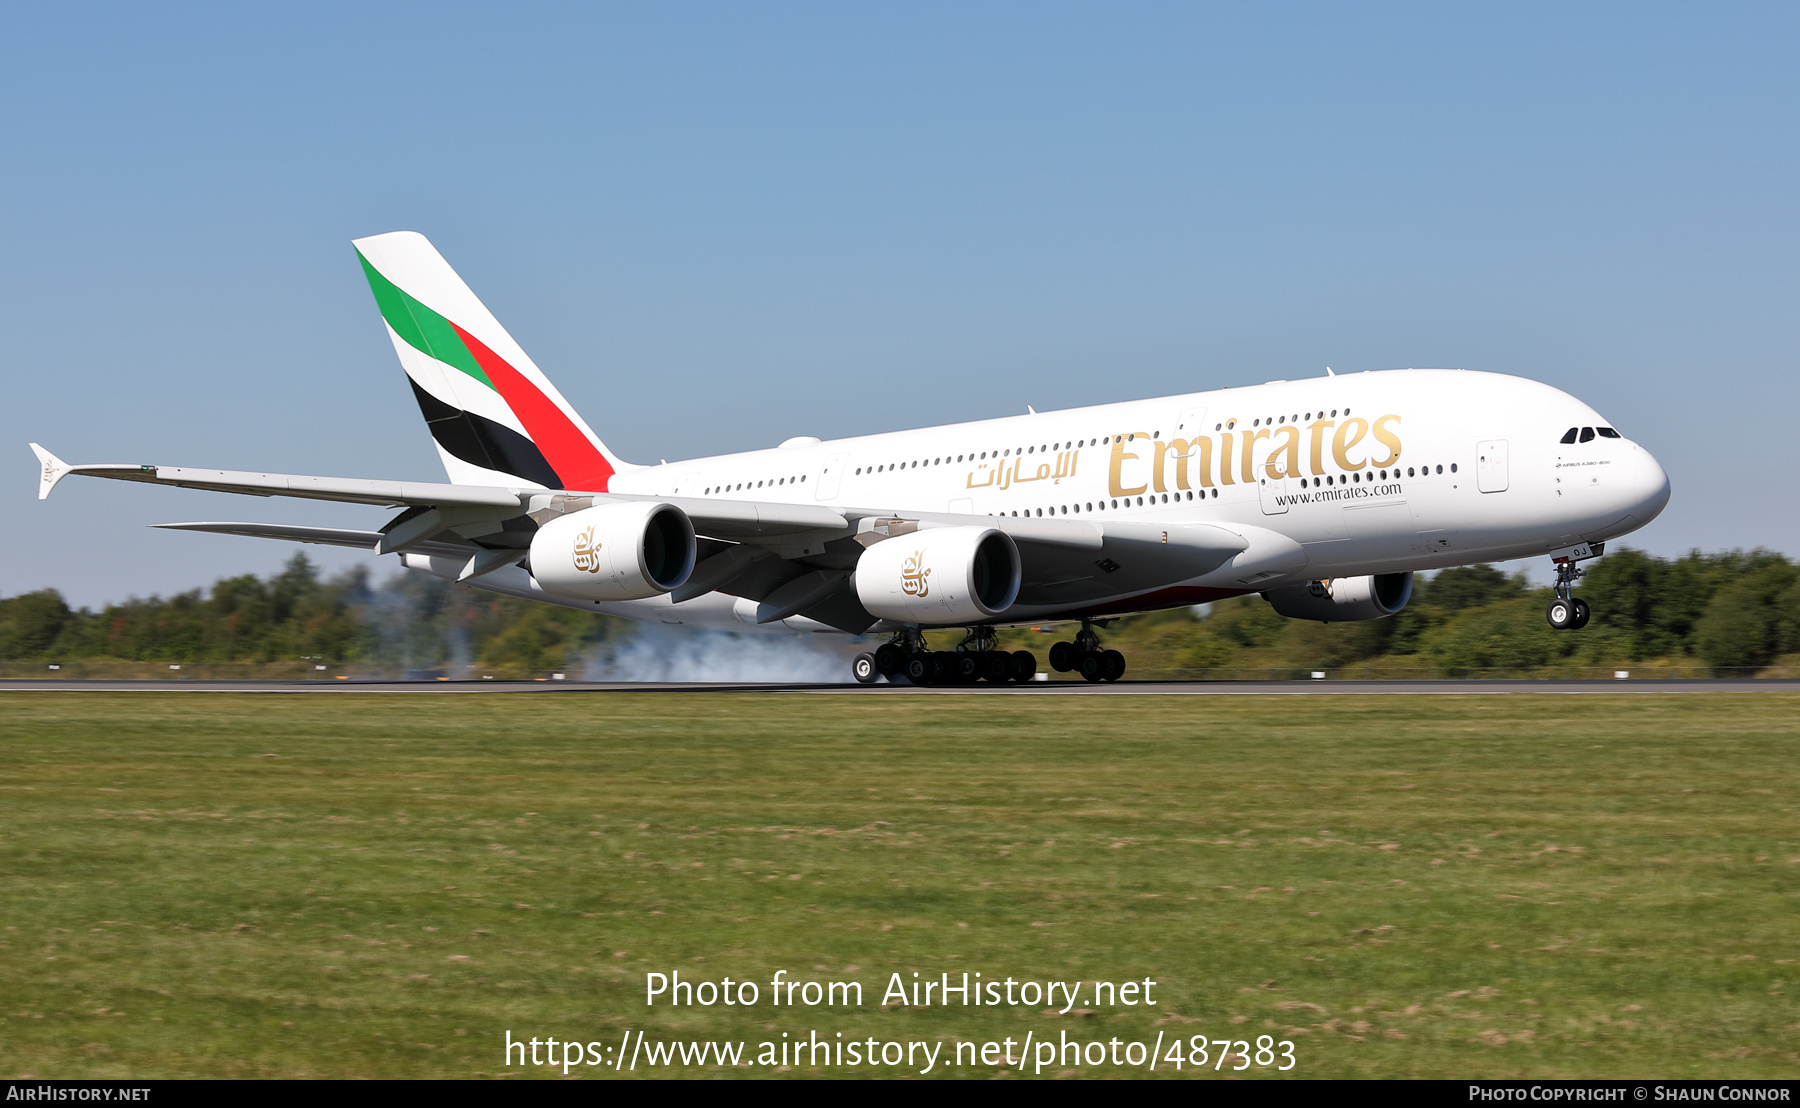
(1324, 495)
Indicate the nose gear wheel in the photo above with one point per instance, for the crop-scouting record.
(1566, 613)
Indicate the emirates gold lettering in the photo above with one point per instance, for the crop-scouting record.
(1201, 448)
(1344, 440)
(1290, 446)
(915, 579)
(1247, 454)
(587, 552)
(1115, 475)
(1283, 460)
(1388, 439)
(1318, 443)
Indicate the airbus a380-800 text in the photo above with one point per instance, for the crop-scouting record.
(1324, 495)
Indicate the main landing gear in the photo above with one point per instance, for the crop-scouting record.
(974, 660)
(1085, 656)
(1565, 612)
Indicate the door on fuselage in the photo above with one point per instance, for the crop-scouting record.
(1490, 465)
(831, 475)
(1273, 491)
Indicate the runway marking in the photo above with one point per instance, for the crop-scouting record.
(1053, 688)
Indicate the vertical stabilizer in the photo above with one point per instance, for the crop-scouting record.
(495, 417)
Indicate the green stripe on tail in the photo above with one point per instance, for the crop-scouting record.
(423, 329)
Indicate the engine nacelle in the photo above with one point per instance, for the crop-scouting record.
(940, 575)
(617, 551)
(1344, 599)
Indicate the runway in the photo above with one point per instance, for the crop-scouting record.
(1037, 688)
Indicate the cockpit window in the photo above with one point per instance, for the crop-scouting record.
(1587, 434)
(1608, 433)
(1569, 435)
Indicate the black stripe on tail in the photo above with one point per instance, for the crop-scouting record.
(480, 441)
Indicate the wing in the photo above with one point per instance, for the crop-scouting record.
(792, 559)
(473, 511)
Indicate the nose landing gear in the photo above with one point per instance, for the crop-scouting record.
(1086, 657)
(1567, 615)
(1565, 612)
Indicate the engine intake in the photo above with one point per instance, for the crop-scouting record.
(618, 551)
(940, 575)
(1344, 599)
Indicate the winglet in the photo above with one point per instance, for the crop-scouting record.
(55, 469)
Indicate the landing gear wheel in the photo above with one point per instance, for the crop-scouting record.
(1112, 665)
(862, 667)
(1561, 614)
(1024, 666)
(964, 668)
(1093, 665)
(943, 667)
(919, 668)
(1063, 657)
(996, 666)
(1582, 613)
(889, 659)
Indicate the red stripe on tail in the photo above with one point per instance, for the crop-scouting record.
(568, 450)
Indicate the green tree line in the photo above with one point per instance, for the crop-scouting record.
(1733, 610)
(1730, 610)
(413, 622)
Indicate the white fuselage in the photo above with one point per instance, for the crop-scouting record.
(1375, 472)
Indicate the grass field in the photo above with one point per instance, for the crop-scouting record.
(348, 885)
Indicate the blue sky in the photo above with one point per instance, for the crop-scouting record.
(719, 226)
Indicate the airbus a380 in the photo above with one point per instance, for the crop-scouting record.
(1324, 495)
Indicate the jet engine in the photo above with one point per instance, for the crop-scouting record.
(1344, 599)
(940, 575)
(620, 551)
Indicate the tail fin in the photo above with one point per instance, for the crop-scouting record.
(495, 417)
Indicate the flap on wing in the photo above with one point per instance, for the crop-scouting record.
(746, 520)
(322, 536)
(1131, 558)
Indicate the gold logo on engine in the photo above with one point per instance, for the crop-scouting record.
(913, 576)
(587, 552)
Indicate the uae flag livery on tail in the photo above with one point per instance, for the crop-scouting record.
(496, 419)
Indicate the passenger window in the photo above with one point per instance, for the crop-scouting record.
(1569, 435)
(1608, 433)
(1587, 434)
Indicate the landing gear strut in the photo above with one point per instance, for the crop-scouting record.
(1565, 612)
(906, 657)
(1086, 657)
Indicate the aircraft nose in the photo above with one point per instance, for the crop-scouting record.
(1645, 485)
